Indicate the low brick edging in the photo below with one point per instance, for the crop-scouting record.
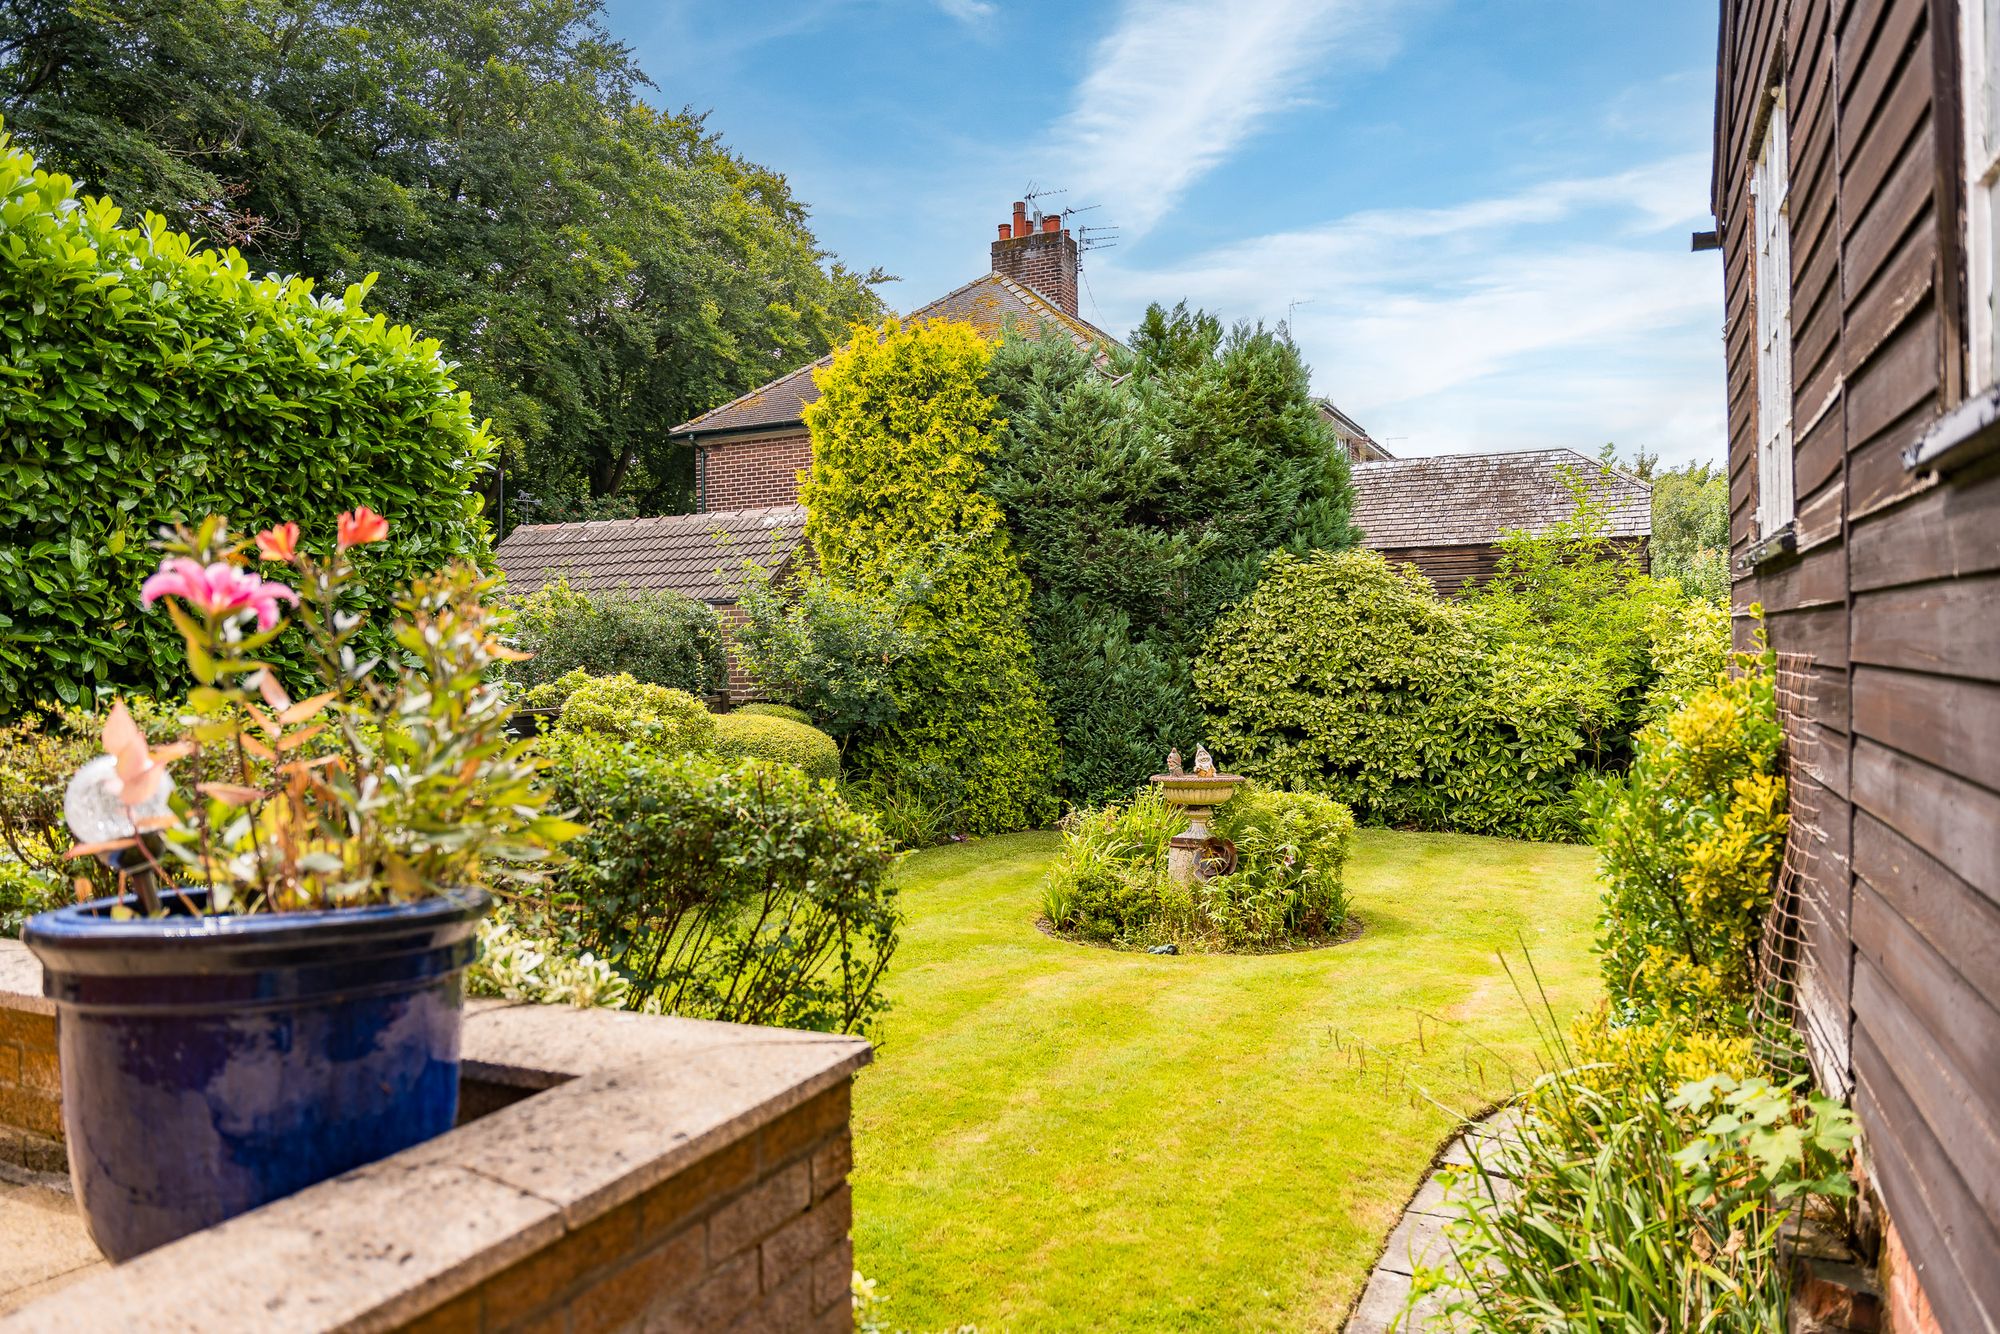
(30, 1088)
(624, 1172)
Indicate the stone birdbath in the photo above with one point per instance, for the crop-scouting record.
(1196, 853)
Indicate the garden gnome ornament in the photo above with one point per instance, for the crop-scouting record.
(1204, 763)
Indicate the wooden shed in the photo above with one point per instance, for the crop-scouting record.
(1446, 514)
(1857, 154)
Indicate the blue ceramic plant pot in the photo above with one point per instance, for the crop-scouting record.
(213, 1064)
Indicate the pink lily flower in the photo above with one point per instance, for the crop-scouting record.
(220, 589)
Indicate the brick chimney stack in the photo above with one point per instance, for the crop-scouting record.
(1040, 254)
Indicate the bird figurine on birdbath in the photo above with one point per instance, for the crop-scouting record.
(1195, 852)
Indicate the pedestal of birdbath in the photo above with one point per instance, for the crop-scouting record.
(1196, 852)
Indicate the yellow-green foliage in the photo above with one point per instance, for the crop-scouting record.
(1688, 645)
(1689, 842)
(776, 711)
(667, 720)
(901, 432)
(1345, 676)
(768, 737)
(1663, 1053)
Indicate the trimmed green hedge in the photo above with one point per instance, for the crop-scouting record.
(144, 381)
(776, 711)
(762, 736)
(669, 721)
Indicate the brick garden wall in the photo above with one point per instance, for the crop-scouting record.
(753, 1237)
(30, 1092)
(751, 474)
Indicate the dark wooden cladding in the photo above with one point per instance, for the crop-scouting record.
(1893, 591)
(1452, 569)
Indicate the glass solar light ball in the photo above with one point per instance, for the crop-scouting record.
(95, 809)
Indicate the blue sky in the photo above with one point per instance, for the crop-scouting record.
(1474, 212)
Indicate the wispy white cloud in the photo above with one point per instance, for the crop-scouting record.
(1565, 312)
(1177, 85)
(969, 11)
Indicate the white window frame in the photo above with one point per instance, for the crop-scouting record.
(1771, 265)
(1979, 48)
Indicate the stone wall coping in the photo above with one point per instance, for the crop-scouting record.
(622, 1102)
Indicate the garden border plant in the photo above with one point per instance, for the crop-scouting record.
(1111, 885)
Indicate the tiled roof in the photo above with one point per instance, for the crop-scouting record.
(985, 303)
(1466, 499)
(701, 555)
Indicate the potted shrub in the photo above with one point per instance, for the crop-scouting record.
(274, 997)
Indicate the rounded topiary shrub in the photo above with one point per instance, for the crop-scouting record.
(665, 720)
(146, 382)
(765, 736)
(776, 711)
(653, 635)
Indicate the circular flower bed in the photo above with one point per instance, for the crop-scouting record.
(1111, 884)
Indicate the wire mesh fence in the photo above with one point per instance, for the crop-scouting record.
(1784, 952)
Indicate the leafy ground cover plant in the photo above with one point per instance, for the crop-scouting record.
(1641, 1202)
(656, 636)
(389, 785)
(1110, 883)
(738, 890)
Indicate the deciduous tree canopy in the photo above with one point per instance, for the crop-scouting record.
(602, 270)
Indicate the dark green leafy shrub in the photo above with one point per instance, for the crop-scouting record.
(1343, 676)
(148, 382)
(1141, 503)
(768, 710)
(653, 635)
(901, 432)
(735, 890)
(780, 740)
(832, 649)
(669, 721)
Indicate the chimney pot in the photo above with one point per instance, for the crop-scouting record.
(1052, 223)
(1006, 232)
(1020, 217)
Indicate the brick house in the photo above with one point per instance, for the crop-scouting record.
(750, 453)
(1855, 185)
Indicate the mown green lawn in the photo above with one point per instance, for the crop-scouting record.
(1060, 1137)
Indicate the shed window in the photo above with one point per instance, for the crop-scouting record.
(1770, 188)
(1982, 187)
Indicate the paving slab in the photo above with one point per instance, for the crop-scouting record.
(43, 1244)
